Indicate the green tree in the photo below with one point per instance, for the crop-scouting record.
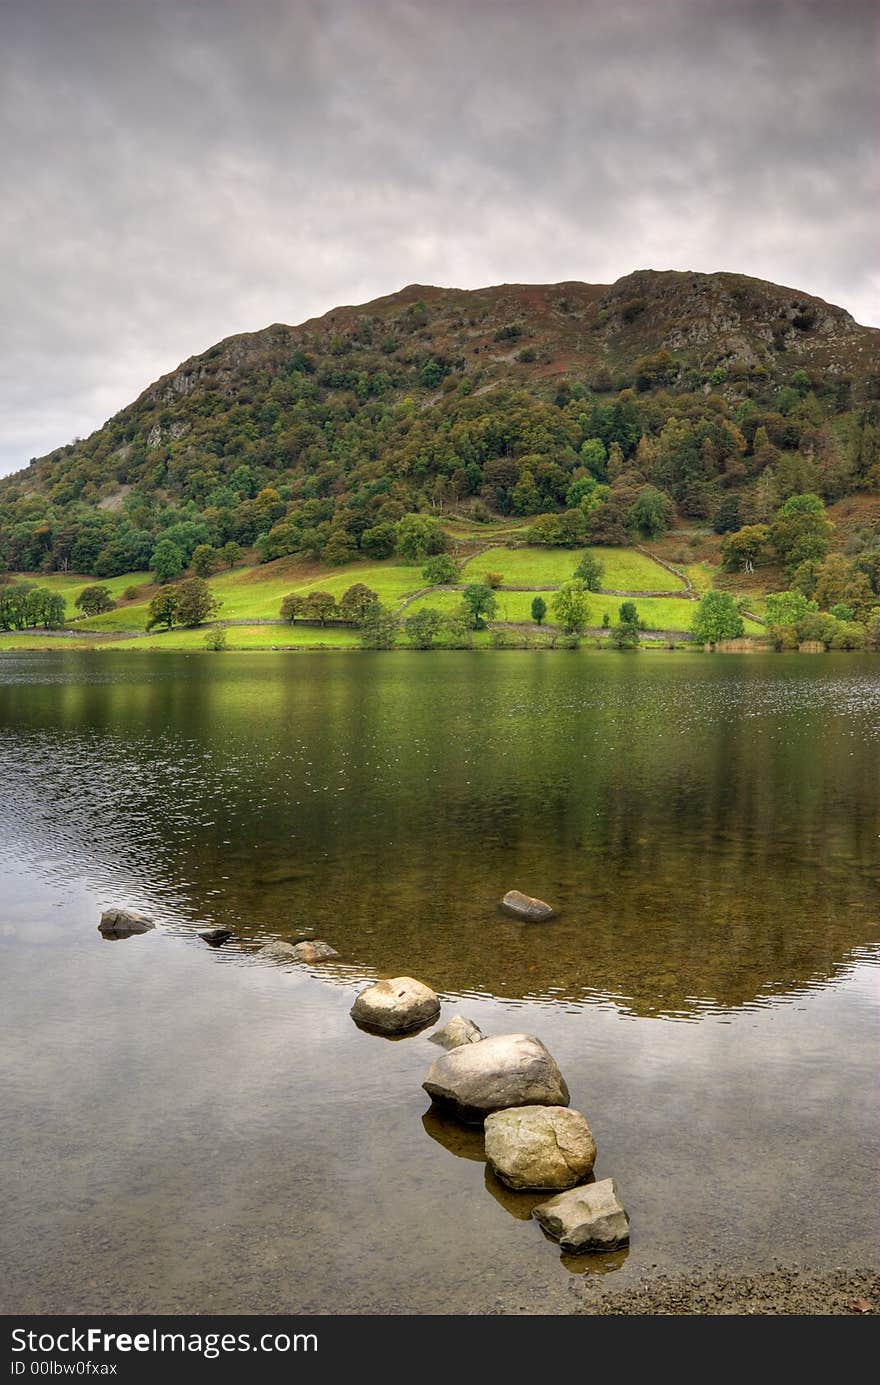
(163, 608)
(590, 571)
(196, 602)
(292, 606)
(539, 609)
(94, 601)
(231, 553)
(166, 563)
(740, 551)
(788, 608)
(480, 604)
(380, 540)
(440, 571)
(205, 560)
(570, 606)
(422, 627)
(801, 531)
(625, 634)
(216, 639)
(650, 512)
(418, 537)
(320, 606)
(355, 602)
(717, 618)
(379, 627)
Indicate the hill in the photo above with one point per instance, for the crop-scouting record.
(707, 397)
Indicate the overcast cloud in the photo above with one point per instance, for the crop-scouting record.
(174, 171)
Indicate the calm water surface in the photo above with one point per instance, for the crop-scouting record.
(187, 1129)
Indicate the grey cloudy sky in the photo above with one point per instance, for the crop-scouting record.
(174, 171)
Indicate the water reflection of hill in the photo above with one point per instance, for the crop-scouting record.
(708, 828)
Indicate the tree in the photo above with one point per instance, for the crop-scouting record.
(479, 601)
(801, 530)
(44, 607)
(539, 609)
(742, 550)
(419, 536)
(292, 606)
(195, 602)
(717, 618)
(319, 606)
(440, 571)
(379, 541)
(167, 561)
(216, 639)
(94, 601)
(625, 634)
(651, 512)
(231, 553)
(379, 627)
(590, 571)
(570, 606)
(204, 560)
(494, 580)
(788, 608)
(422, 627)
(163, 608)
(355, 602)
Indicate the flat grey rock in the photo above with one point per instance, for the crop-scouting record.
(591, 1217)
(526, 908)
(501, 1071)
(122, 923)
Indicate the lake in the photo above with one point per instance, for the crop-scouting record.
(187, 1129)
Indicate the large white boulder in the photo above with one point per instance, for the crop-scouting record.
(503, 1070)
(540, 1146)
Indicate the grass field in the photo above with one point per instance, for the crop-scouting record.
(255, 593)
(625, 569)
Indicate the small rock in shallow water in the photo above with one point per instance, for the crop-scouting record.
(121, 923)
(503, 1070)
(216, 936)
(396, 1006)
(591, 1217)
(457, 1032)
(313, 951)
(540, 1146)
(283, 951)
(525, 907)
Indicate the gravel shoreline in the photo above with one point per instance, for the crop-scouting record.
(781, 1290)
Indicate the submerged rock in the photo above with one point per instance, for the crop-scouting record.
(216, 936)
(121, 923)
(525, 907)
(501, 1071)
(283, 951)
(540, 1146)
(457, 1032)
(313, 951)
(591, 1217)
(395, 1006)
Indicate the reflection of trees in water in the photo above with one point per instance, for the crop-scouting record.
(701, 854)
